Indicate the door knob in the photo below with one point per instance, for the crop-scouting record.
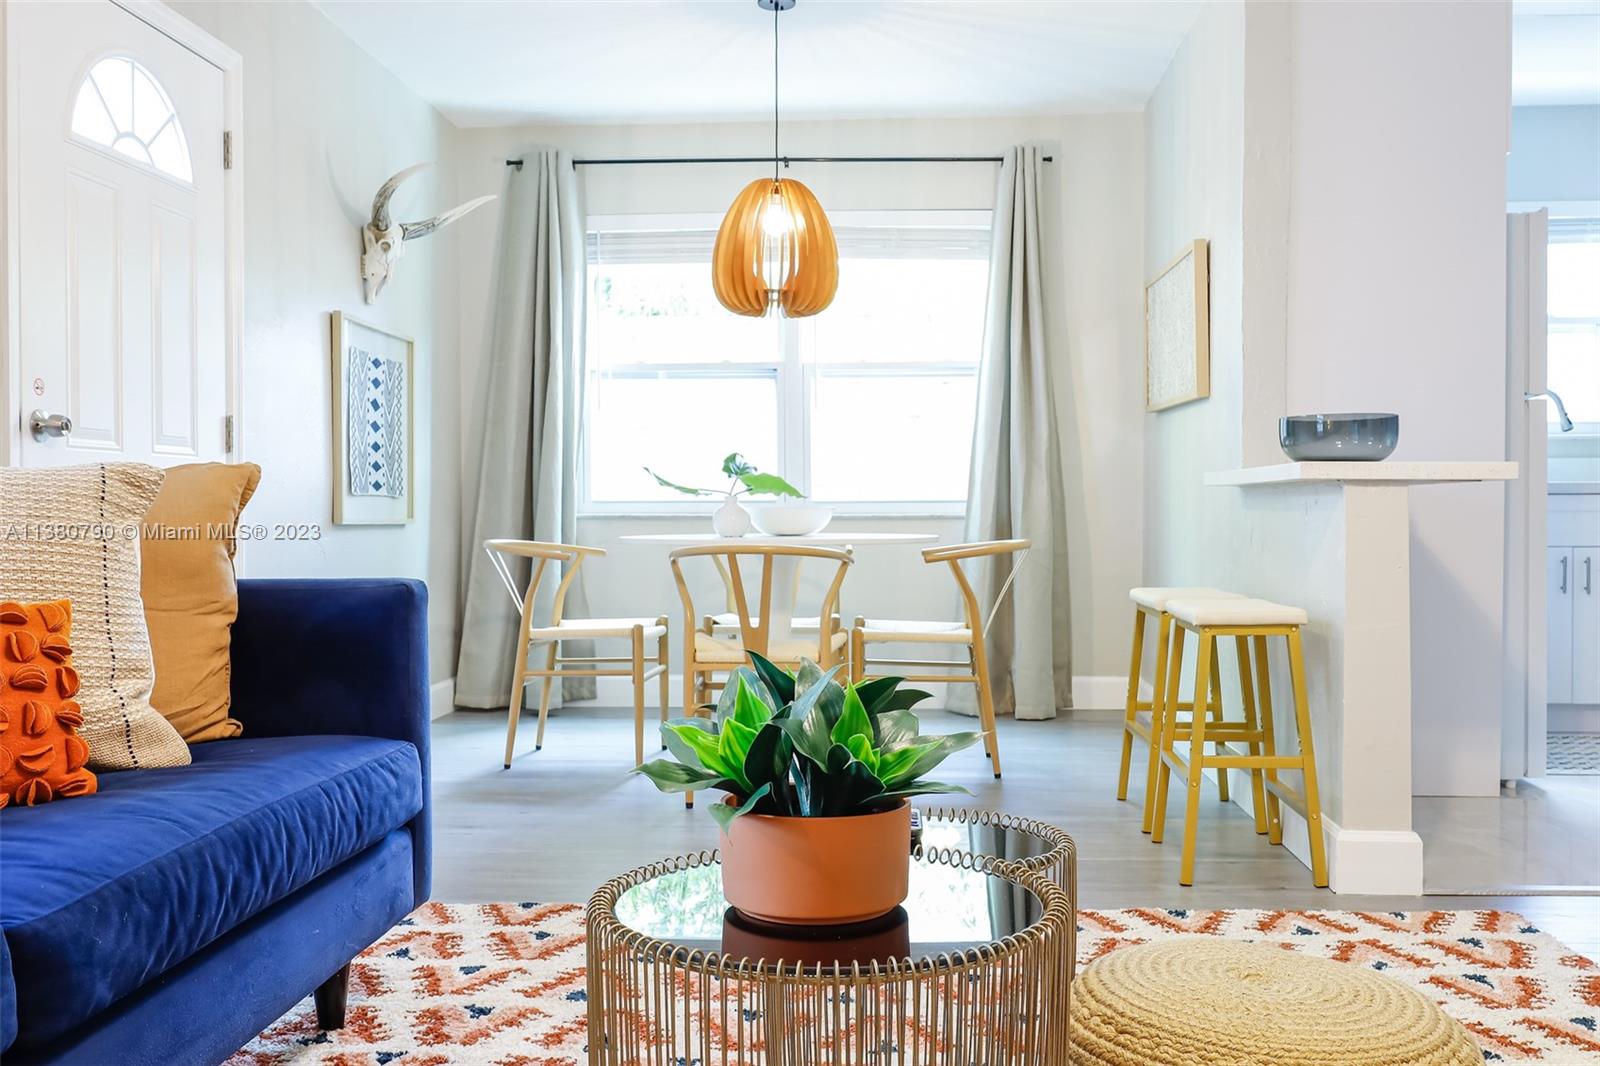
(43, 425)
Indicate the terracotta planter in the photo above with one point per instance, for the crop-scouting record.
(818, 871)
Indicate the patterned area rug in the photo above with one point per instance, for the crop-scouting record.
(1573, 754)
(501, 984)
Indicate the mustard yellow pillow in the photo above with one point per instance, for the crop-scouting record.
(190, 595)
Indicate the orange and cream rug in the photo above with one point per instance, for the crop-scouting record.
(501, 984)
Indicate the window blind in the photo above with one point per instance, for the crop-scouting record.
(855, 242)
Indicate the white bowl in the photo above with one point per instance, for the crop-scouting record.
(797, 519)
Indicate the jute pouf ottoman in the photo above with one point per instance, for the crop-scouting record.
(1204, 1000)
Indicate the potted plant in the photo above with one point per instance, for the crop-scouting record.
(732, 520)
(816, 827)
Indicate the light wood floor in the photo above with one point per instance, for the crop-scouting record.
(565, 819)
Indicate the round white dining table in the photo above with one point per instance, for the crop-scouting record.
(784, 567)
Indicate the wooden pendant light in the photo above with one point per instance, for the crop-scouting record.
(775, 244)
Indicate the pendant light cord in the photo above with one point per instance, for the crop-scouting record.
(775, 9)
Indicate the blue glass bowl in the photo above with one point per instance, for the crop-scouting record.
(1361, 438)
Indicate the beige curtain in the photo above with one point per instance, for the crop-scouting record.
(1015, 487)
(526, 481)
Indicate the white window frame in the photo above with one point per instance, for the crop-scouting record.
(1562, 231)
(148, 164)
(794, 427)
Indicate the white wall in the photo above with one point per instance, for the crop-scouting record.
(1095, 203)
(1555, 155)
(324, 125)
(1397, 303)
(1333, 291)
(1194, 185)
(8, 235)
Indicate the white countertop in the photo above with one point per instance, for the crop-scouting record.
(1406, 473)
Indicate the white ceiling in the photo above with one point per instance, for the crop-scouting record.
(1555, 53)
(582, 61)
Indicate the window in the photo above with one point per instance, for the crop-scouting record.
(1573, 286)
(121, 106)
(867, 406)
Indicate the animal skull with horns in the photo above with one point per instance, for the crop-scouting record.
(383, 241)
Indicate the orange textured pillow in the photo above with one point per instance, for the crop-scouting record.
(41, 755)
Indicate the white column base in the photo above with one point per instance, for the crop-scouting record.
(1361, 862)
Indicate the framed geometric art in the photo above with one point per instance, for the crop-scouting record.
(374, 450)
(1177, 332)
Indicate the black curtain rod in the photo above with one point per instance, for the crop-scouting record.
(786, 160)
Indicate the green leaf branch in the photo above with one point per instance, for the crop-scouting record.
(803, 745)
(742, 477)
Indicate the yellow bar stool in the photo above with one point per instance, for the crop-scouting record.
(1151, 604)
(1250, 623)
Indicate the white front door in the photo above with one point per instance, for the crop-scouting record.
(121, 267)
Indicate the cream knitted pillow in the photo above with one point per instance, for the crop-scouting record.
(72, 533)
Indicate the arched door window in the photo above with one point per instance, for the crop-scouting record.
(121, 106)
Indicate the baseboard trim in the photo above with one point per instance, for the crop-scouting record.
(441, 698)
(1089, 692)
(1361, 862)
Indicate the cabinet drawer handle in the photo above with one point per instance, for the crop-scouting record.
(1563, 575)
(1588, 573)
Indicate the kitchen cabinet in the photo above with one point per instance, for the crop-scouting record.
(1558, 627)
(1573, 628)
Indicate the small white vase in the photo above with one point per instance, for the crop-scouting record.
(730, 520)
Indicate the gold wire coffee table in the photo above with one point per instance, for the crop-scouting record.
(975, 968)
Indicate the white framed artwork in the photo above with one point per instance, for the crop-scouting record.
(374, 450)
(1177, 331)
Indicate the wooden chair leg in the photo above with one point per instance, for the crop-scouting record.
(858, 654)
(331, 996)
(1269, 746)
(519, 678)
(688, 677)
(1197, 754)
(1247, 697)
(638, 695)
(1302, 721)
(980, 661)
(690, 690)
(1131, 711)
(977, 692)
(1169, 733)
(544, 695)
(1214, 708)
(1160, 700)
(664, 679)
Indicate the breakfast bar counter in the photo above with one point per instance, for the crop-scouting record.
(1334, 538)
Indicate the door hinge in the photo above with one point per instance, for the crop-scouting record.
(227, 149)
(227, 434)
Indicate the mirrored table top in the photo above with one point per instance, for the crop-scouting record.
(951, 907)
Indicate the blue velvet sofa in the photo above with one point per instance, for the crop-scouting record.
(177, 913)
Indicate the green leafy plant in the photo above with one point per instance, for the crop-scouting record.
(742, 478)
(803, 745)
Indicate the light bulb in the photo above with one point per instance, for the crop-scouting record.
(775, 221)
